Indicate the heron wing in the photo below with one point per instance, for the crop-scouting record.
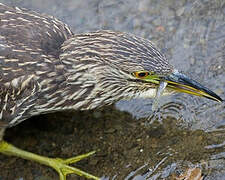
(29, 49)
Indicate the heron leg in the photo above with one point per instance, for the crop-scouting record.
(60, 165)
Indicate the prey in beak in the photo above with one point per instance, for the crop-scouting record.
(181, 83)
(175, 82)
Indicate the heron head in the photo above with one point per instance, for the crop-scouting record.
(125, 66)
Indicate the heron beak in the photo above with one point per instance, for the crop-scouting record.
(181, 83)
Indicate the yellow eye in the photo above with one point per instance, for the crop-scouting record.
(141, 74)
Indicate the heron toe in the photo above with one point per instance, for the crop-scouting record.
(63, 168)
(60, 165)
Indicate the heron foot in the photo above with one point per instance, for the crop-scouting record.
(62, 166)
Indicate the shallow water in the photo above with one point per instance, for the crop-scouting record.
(191, 33)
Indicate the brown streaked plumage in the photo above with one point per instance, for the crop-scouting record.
(44, 68)
(30, 45)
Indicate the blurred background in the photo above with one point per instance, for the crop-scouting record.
(133, 143)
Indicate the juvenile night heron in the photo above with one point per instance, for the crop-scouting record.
(44, 68)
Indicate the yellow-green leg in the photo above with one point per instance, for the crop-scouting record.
(60, 165)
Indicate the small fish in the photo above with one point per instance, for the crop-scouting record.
(161, 88)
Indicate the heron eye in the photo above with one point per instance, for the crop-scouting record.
(141, 74)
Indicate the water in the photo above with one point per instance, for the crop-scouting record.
(192, 35)
(196, 46)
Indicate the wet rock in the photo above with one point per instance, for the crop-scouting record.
(189, 174)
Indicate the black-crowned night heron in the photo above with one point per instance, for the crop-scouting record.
(45, 68)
